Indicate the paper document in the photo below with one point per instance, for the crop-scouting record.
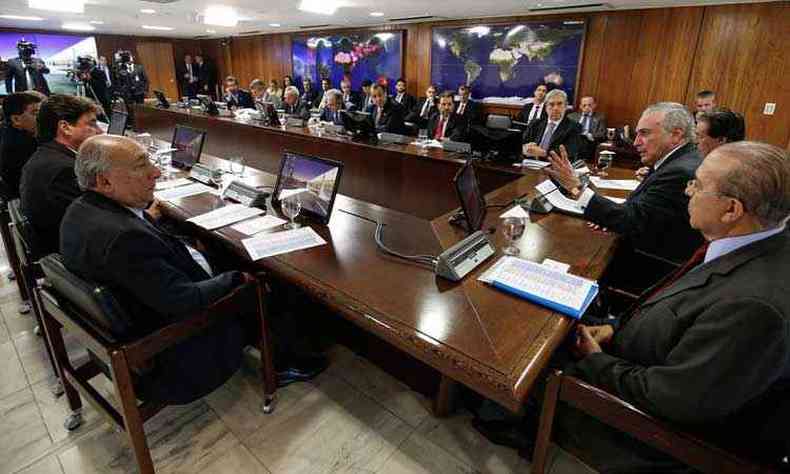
(259, 224)
(555, 265)
(428, 144)
(269, 244)
(533, 164)
(617, 200)
(182, 192)
(557, 199)
(172, 183)
(225, 216)
(622, 184)
(516, 211)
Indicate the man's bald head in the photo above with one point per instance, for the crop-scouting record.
(97, 154)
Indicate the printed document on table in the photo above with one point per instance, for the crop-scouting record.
(516, 211)
(259, 224)
(617, 200)
(557, 199)
(182, 192)
(224, 216)
(621, 184)
(270, 244)
(172, 183)
(533, 164)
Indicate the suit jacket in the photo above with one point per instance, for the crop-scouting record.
(712, 350)
(655, 216)
(391, 118)
(47, 188)
(567, 133)
(242, 100)
(523, 116)
(407, 101)
(134, 77)
(310, 97)
(299, 109)
(98, 82)
(473, 113)
(415, 116)
(365, 101)
(207, 78)
(16, 78)
(353, 101)
(156, 280)
(329, 116)
(16, 148)
(597, 124)
(188, 88)
(455, 130)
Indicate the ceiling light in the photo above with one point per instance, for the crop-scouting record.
(322, 7)
(77, 27)
(22, 18)
(376, 13)
(71, 6)
(480, 31)
(220, 15)
(96, 22)
(211, 31)
(161, 28)
(274, 25)
(149, 11)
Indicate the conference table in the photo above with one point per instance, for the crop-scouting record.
(469, 332)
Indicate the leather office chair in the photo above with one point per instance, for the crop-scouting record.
(93, 315)
(10, 247)
(498, 122)
(625, 417)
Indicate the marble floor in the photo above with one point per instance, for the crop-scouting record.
(354, 418)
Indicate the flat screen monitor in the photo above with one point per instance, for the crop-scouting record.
(358, 123)
(313, 180)
(188, 144)
(162, 100)
(117, 123)
(473, 204)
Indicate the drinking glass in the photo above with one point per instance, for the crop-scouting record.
(216, 177)
(164, 160)
(422, 136)
(291, 207)
(610, 133)
(513, 229)
(281, 116)
(238, 165)
(604, 162)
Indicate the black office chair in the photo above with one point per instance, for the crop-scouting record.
(10, 247)
(498, 122)
(96, 319)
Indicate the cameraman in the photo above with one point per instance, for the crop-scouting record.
(130, 79)
(25, 72)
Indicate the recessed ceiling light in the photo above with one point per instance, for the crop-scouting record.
(149, 11)
(211, 31)
(376, 13)
(21, 18)
(274, 25)
(96, 22)
(77, 27)
(161, 28)
(220, 15)
(322, 7)
(71, 6)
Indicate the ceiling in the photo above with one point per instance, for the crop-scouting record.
(124, 16)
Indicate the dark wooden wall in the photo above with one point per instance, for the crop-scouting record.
(631, 59)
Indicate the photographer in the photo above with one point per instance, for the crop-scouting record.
(130, 79)
(88, 75)
(26, 72)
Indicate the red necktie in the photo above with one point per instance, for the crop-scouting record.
(439, 133)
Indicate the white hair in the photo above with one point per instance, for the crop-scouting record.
(93, 159)
(557, 92)
(291, 90)
(675, 116)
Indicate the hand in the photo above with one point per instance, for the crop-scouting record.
(532, 149)
(155, 210)
(642, 172)
(597, 228)
(585, 342)
(562, 170)
(601, 334)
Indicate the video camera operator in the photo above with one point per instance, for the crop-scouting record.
(26, 72)
(94, 83)
(130, 79)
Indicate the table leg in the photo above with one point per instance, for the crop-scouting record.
(445, 397)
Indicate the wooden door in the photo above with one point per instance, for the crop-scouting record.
(159, 63)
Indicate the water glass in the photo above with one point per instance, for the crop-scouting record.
(513, 229)
(163, 161)
(604, 162)
(422, 136)
(238, 165)
(291, 207)
(610, 134)
(216, 177)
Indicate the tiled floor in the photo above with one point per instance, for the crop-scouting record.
(354, 418)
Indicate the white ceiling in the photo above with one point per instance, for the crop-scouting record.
(124, 17)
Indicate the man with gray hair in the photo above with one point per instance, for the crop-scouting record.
(334, 104)
(553, 130)
(654, 218)
(294, 105)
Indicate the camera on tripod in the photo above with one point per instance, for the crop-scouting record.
(81, 69)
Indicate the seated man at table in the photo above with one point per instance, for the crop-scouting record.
(402, 97)
(654, 218)
(536, 109)
(593, 127)
(709, 348)
(294, 105)
(18, 140)
(236, 97)
(717, 128)
(366, 98)
(48, 184)
(351, 99)
(547, 134)
(446, 125)
(467, 109)
(261, 94)
(334, 104)
(387, 115)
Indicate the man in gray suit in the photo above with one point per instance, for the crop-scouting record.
(593, 126)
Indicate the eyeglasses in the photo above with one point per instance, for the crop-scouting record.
(693, 187)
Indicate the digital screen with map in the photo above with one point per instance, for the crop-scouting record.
(507, 60)
(357, 56)
(58, 52)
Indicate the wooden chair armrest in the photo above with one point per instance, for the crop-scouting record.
(146, 348)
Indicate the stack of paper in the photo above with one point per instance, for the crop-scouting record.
(172, 183)
(270, 244)
(562, 292)
(225, 216)
(622, 184)
(182, 192)
(534, 164)
(549, 190)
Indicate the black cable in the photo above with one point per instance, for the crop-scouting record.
(424, 259)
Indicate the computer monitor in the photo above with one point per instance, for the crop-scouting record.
(160, 97)
(188, 143)
(314, 180)
(208, 105)
(268, 113)
(117, 123)
(358, 123)
(473, 205)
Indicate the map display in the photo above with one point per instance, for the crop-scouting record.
(506, 61)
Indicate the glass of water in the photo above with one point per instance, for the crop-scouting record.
(291, 207)
(238, 165)
(217, 177)
(604, 162)
(513, 229)
(164, 160)
(422, 136)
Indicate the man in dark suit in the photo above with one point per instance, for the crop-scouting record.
(366, 98)
(334, 104)
(351, 99)
(320, 101)
(18, 141)
(535, 110)
(446, 125)
(25, 72)
(425, 108)
(467, 109)
(99, 78)
(207, 76)
(48, 183)
(130, 78)
(387, 115)
(593, 126)
(309, 94)
(188, 77)
(237, 97)
(293, 104)
(402, 97)
(545, 135)
(654, 218)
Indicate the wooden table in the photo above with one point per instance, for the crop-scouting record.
(492, 342)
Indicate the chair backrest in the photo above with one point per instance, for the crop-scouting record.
(498, 122)
(23, 234)
(95, 302)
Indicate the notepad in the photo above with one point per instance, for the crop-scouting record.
(558, 200)
(268, 245)
(225, 216)
(259, 224)
(562, 292)
(621, 184)
(172, 183)
(182, 192)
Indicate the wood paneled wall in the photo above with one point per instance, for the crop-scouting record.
(631, 59)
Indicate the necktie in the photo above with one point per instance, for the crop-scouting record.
(107, 74)
(586, 122)
(28, 79)
(378, 115)
(400, 98)
(461, 108)
(546, 140)
(535, 112)
(439, 133)
(425, 107)
(337, 117)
